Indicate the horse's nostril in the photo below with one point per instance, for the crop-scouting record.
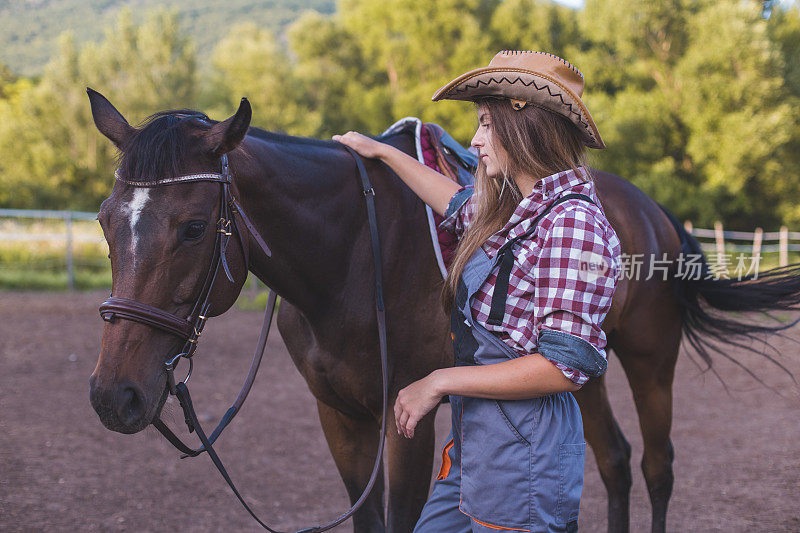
(130, 404)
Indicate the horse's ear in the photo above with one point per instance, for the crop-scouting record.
(226, 135)
(108, 120)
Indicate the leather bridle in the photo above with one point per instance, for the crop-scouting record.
(189, 329)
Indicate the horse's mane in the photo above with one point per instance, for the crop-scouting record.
(159, 147)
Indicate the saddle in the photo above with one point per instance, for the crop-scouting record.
(438, 150)
(448, 155)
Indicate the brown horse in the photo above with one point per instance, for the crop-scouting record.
(304, 198)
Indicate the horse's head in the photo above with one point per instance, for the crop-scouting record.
(162, 241)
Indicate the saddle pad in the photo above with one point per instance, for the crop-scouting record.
(428, 153)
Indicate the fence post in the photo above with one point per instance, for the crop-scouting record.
(688, 226)
(70, 259)
(719, 236)
(757, 237)
(783, 246)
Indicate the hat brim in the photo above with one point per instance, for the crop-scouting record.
(528, 86)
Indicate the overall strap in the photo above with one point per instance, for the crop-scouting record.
(506, 261)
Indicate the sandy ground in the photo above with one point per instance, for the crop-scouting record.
(737, 465)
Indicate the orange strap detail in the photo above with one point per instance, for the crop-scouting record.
(491, 526)
(445, 469)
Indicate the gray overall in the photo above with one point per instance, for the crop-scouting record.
(508, 465)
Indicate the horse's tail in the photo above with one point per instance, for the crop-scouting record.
(706, 301)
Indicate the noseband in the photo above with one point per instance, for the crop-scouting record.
(190, 328)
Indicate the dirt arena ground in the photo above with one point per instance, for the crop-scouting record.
(737, 465)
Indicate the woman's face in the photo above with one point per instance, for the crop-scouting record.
(491, 153)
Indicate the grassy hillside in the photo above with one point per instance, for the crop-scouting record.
(29, 29)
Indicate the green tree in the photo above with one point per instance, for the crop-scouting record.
(60, 160)
(249, 62)
(47, 135)
(784, 30)
(535, 25)
(419, 46)
(740, 119)
(339, 89)
(26, 156)
(689, 98)
(697, 100)
(142, 69)
(7, 78)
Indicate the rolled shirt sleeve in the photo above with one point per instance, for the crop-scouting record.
(459, 212)
(575, 277)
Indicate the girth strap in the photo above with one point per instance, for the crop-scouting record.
(498, 307)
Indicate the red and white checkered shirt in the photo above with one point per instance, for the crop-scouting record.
(550, 286)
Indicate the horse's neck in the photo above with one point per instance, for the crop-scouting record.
(305, 201)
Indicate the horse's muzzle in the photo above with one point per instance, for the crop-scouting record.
(122, 407)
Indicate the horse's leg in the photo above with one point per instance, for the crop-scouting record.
(650, 369)
(410, 466)
(611, 450)
(353, 443)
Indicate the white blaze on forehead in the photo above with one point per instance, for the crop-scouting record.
(134, 211)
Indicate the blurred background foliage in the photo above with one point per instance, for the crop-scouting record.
(697, 100)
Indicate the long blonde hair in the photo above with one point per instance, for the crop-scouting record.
(538, 143)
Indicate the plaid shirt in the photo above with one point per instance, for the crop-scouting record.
(548, 289)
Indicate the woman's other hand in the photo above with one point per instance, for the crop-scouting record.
(365, 146)
(414, 402)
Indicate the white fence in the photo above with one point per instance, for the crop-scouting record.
(761, 242)
(68, 236)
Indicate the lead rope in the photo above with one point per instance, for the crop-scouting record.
(233, 410)
(185, 399)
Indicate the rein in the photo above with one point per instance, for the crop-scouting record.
(191, 328)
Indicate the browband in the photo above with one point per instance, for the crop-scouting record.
(211, 176)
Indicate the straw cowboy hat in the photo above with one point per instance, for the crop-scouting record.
(537, 78)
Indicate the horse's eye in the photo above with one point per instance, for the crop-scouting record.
(194, 230)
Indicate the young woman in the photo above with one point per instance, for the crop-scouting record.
(528, 289)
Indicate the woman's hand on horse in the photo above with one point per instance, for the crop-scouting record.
(432, 187)
(365, 146)
(414, 402)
